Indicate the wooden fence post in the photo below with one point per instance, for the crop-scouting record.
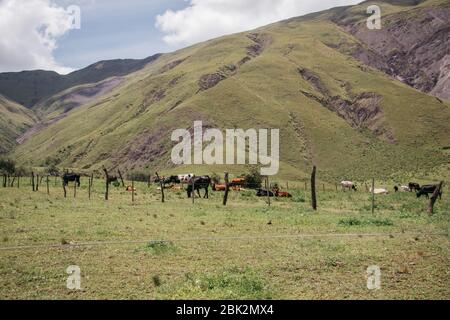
(268, 190)
(32, 181)
(18, 182)
(373, 195)
(48, 187)
(91, 180)
(313, 189)
(161, 184)
(193, 189)
(121, 178)
(107, 184)
(64, 189)
(436, 194)
(75, 189)
(227, 189)
(132, 190)
(149, 181)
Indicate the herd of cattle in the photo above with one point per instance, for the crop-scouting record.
(197, 183)
(424, 190)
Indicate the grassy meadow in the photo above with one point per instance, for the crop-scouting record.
(247, 250)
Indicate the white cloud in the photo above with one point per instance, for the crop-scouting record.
(29, 31)
(206, 19)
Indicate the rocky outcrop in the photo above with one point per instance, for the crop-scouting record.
(412, 46)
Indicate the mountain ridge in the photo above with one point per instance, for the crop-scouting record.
(300, 75)
(29, 88)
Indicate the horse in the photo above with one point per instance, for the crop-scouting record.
(197, 183)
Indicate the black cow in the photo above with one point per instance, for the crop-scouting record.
(427, 190)
(172, 180)
(414, 186)
(197, 183)
(263, 193)
(71, 177)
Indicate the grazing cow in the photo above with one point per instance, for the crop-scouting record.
(427, 190)
(396, 189)
(405, 189)
(264, 193)
(281, 194)
(414, 186)
(379, 191)
(197, 183)
(348, 185)
(130, 189)
(172, 180)
(218, 187)
(185, 177)
(112, 179)
(71, 177)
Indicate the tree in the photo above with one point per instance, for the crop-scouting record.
(253, 178)
(7, 166)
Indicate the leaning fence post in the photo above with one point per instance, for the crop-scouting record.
(434, 197)
(121, 178)
(227, 188)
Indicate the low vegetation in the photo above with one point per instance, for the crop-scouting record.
(180, 250)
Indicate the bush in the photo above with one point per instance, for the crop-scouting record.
(253, 179)
(7, 166)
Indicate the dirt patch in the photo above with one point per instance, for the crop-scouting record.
(261, 42)
(314, 80)
(209, 81)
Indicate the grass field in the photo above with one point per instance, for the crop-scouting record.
(151, 250)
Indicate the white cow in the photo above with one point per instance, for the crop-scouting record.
(348, 185)
(405, 189)
(379, 191)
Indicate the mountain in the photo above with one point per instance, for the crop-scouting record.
(28, 88)
(354, 102)
(14, 121)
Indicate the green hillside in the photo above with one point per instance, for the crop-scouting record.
(302, 76)
(14, 120)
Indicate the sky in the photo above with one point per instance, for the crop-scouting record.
(51, 35)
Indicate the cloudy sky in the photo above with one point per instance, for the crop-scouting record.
(44, 34)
